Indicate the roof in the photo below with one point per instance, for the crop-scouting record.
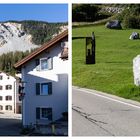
(7, 74)
(46, 46)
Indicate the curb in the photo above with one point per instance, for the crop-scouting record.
(120, 99)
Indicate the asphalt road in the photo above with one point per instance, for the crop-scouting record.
(101, 115)
(9, 126)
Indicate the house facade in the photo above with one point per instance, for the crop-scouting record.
(45, 82)
(9, 101)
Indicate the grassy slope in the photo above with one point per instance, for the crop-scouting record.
(113, 71)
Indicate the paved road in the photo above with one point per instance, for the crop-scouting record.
(101, 115)
(10, 126)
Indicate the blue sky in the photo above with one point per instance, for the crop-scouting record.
(42, 12)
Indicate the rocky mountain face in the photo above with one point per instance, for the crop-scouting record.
(23, 36)
(13, 38)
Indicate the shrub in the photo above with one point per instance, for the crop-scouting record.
(84, 13)
(132, 22)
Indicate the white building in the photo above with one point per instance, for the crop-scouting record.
(45, 74)
(9, 101)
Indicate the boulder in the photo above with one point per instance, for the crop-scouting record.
(134, 35)
(136, 70)
(114, 24)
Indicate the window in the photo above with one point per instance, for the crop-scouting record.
(0, 87)
(44, 113)
(1, 77)
(0, 98)
(43, 88)
(8, 107)
(8, 98)
(44, 64)
(1, 107)
(8, 87)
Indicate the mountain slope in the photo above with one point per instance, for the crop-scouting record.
(13, 38)
(26, 35)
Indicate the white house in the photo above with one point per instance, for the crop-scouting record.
(45, 78)
(9, 101)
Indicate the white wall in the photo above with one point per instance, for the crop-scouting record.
(59, 78)
(5, 81)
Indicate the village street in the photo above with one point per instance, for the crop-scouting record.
(10, 125)
(99, 114)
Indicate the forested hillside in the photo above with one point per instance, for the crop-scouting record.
(41, 31)
(7, 60)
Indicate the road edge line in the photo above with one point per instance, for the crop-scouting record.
(110, 97)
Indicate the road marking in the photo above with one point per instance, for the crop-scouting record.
(109, 98)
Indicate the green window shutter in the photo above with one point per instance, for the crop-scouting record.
(37, 113)
(50, 88)
(37, 88)
(50, 63)
(37, 64)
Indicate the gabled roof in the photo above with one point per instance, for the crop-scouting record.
(46, 46)
(7, 74)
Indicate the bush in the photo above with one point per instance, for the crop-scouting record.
(120, 16)
(84, 13)
(132, 22)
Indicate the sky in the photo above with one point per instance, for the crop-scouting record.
(41, 12)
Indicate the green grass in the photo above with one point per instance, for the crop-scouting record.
(113, 71)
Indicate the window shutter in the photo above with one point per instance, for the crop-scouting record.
(37, 113)
(50, 63)
(49, 88)
(9, 97)
(37, 64)
(10, 107)
(49, 111)
(37, 88)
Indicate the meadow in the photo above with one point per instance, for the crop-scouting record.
(113, 71)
